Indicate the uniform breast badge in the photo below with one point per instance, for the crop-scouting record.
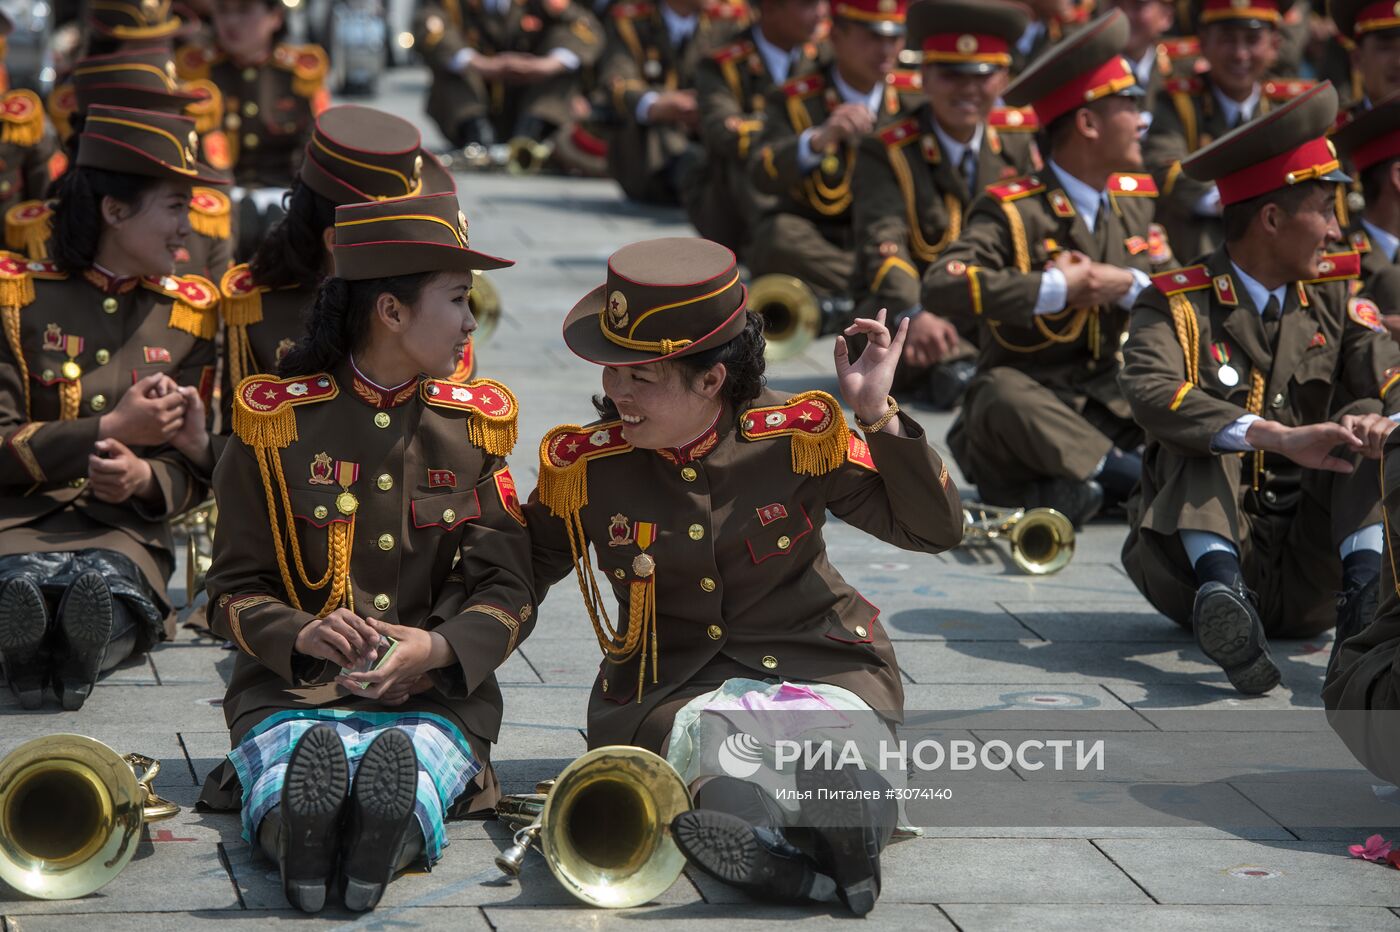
(620, 531)
(643, 565)
(322, 470)
(345, 475)
(1227, 374)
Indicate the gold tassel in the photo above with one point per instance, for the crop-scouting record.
(208, 111)
(29, 236)
(819, 454)
(239, 312)
(16, 292)
(562, 489)
(1255, 405)
(26, 132)
(1018, 237)
(199, 323)
(70, 396)
(9, 317)
(214, 226)
(274, 430)
(496, 435)
(1188, 335)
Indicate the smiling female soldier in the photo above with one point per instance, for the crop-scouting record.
(703, 495)
(362, 490)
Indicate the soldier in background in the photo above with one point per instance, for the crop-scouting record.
(916, 177)
(731, 84)
(1051, 21)
(807, 158)
(505, 70)
(1049, 264)
(648, 73)
(1370, 144)
(1374, 30)
(1240, 45)
(29, 157)
(1153, 61)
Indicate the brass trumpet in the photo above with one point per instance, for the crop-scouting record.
(604, 826)
(524, 156)
(1042, 539)
(71, 812)
(792, 318)
(198, 524)
(485, 303)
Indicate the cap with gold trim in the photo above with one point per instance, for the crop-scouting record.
(970, 36)
(1284, 147)
(132, 19)
(361, 154)
(143, 78)
(663, 298)
(1254, 14)
(405, 236)
(1085, 67)
(1373, 136)
(885, 17)
(1356, 19)
(143, 142)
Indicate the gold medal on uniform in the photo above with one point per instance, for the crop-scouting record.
(72, 347)
(345, 475)
(642, 564)
(1227, 374)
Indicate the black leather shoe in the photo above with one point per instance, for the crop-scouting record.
(1356, 608)
(1229, 632)
(753, 858)
(85, 623)
(24, 619)
(851, 829)
(380, 818)
(1078, 500)
(948, 381)
(313, 802)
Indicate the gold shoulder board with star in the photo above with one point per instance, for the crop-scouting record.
(263, 406)
(210, 209)
(815, 424)
(564, 455)
(1179, 281)
(195, 303)
(21, 118)
(1337, 267)
(192, 62)
(492, 408)
(308, 65)
(28, 226)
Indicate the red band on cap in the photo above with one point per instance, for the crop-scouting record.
(1111, 77)
(1213, 11)
(1377, 16)
(1377, 150)
(870, 11)
(966, 47)
(1311, 160)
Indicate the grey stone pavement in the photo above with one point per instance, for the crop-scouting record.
(970, 631)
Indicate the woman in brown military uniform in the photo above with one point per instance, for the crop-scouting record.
(700, 492)
(355, 154)
(106, 364)
(381, 487)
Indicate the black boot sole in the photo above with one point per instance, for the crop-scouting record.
(381, 813)
(1230, 634)
(313, 799)
(848, 838)
(85, 619)
(23, 621)
(724, 846)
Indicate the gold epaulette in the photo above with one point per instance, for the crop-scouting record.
(240, 305)
(308, 65)
(1180, 281)
(16, 280)
(820, 437)
(208, 110)
(196, 303)
(1336, 267)
(61, 105)
(564, 455)
(262, 407)
(210, 210)
(193, 62)
(493, 425)
(21, 118)
(1016, 188)
(28, 226)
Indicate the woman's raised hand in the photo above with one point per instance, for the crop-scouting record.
(865, 383)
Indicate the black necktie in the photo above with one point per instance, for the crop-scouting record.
(969, 171)
(1272, 312)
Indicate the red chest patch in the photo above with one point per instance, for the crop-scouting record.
(770, 513)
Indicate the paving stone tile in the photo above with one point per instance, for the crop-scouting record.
(1052, 918)
(161, 877)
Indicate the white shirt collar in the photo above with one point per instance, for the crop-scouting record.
(1257, 292)
(850, 95)
(1029, 37)
(779, 63)
(678, 27)
(1232, 108)
(956, 151)
(1142, 68)
(1387, 243)
(1085, 198)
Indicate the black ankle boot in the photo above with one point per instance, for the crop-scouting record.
(313, 804)
(948, 381)
(380, 821)
(24, 621)
(85, 625)
(756, 859)
(1356, 608)
(1078, 500)
(1229, 631)
(851, 828)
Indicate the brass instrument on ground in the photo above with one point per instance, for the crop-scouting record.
(793, 315)
(525, 156)
(603, 826)
(1042, 539)
(71, 812)
(198, 524)
(485, 303)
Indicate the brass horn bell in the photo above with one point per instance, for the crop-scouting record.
(1041, 539)
(604, 826)
(485, 302)
(71, 812)
(792, 318)
(525, 156)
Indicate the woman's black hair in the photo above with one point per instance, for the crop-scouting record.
(77, 221)
(294, 250)
(743, 362)
(338, 323)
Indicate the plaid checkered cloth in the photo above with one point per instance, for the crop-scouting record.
(445, 762)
